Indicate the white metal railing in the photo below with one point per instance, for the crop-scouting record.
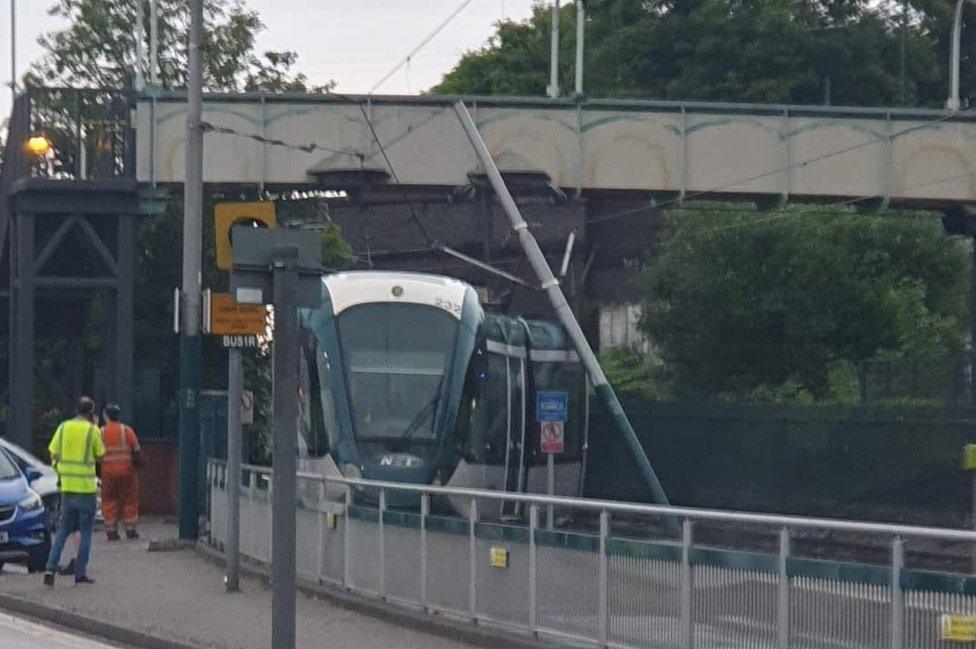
(586, 584)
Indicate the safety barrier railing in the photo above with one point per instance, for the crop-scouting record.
(483, 556)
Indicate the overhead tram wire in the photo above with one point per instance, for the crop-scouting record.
(803, 163)
(427, 39)
(432, 242)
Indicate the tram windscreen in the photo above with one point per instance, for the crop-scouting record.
(396, 357)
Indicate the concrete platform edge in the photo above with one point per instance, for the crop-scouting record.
(76, 622)
(390, 612)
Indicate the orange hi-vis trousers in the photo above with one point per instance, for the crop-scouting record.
(120, 499)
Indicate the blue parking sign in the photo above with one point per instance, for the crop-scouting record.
(550, 406)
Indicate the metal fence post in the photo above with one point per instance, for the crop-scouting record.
(783, 601)
(346, 541)
(320, 563)
(897, 595)
(533, 577)
(270, 519)
(604, 594)
(424, 513)
(252, 486)
(473, 561)
(382, 543)
(687, 623)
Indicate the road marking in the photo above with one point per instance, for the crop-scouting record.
(25, 627)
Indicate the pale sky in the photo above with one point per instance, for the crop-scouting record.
(354, 42)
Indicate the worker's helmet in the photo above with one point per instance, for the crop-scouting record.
(113, 412)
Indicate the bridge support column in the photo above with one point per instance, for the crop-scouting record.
(68, 240)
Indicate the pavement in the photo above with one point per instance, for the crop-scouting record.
(20, 633)
(176, 599)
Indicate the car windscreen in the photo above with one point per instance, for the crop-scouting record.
(8, 470)
(396, 357)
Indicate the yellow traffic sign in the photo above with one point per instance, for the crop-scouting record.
(228, 318)
(957, 628)
(227, 215)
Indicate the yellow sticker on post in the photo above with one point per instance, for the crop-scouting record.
(957, 628)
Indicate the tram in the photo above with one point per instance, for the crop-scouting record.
(406, 378)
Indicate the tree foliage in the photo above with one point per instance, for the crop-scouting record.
(781, 307)
(790, 51)
(97, 48)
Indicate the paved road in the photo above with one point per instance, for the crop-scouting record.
(18, 633)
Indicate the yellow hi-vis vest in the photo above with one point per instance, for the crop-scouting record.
(77, 443)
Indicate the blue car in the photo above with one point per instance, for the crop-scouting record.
(24, 536)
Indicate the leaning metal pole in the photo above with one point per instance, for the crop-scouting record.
(192, 240)
(563, 311)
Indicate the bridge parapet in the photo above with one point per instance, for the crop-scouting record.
(677, 150)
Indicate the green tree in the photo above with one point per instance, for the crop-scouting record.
(791, 51)
(781, 306)
(97, 48)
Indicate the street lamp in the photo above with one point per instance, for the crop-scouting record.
(13, 48)
(953, 102)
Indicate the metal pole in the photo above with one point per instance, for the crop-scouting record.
(140, 38)
(783, 600)
(192, 241)
(153, 43)
(233, 482)
(563, 311)
(953, 102)
(687, 637)
(473, 561)
(284, 450)
(580, 37)
(550, 488)
(13, 49)
(604, 585)
(897, 595)
(424, 513)
(533, 577)
(554, 52)
(381, 531)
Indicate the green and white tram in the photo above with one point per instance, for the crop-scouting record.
(405, 378)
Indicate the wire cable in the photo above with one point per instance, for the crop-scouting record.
(406, 60)
(311, 147)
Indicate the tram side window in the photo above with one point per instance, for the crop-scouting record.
(488, 440)
(326, 403)
(311, 421)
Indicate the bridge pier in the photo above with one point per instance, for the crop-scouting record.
(69, 242)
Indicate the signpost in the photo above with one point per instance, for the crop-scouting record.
(551, 409)
(283, 267)
(239, 325)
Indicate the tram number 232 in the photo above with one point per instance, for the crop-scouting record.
(447, 305)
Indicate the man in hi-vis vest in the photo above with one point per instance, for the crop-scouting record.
(75, 448)
(120, 484)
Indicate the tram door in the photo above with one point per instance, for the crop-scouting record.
(516, 450)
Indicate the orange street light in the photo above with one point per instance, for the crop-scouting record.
(39, 145)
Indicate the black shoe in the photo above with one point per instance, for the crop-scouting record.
(113, 536)
(131, 534)
(49, 578)
(68, 569)
(84, 580)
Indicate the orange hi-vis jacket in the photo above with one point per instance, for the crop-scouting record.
(120, 442)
